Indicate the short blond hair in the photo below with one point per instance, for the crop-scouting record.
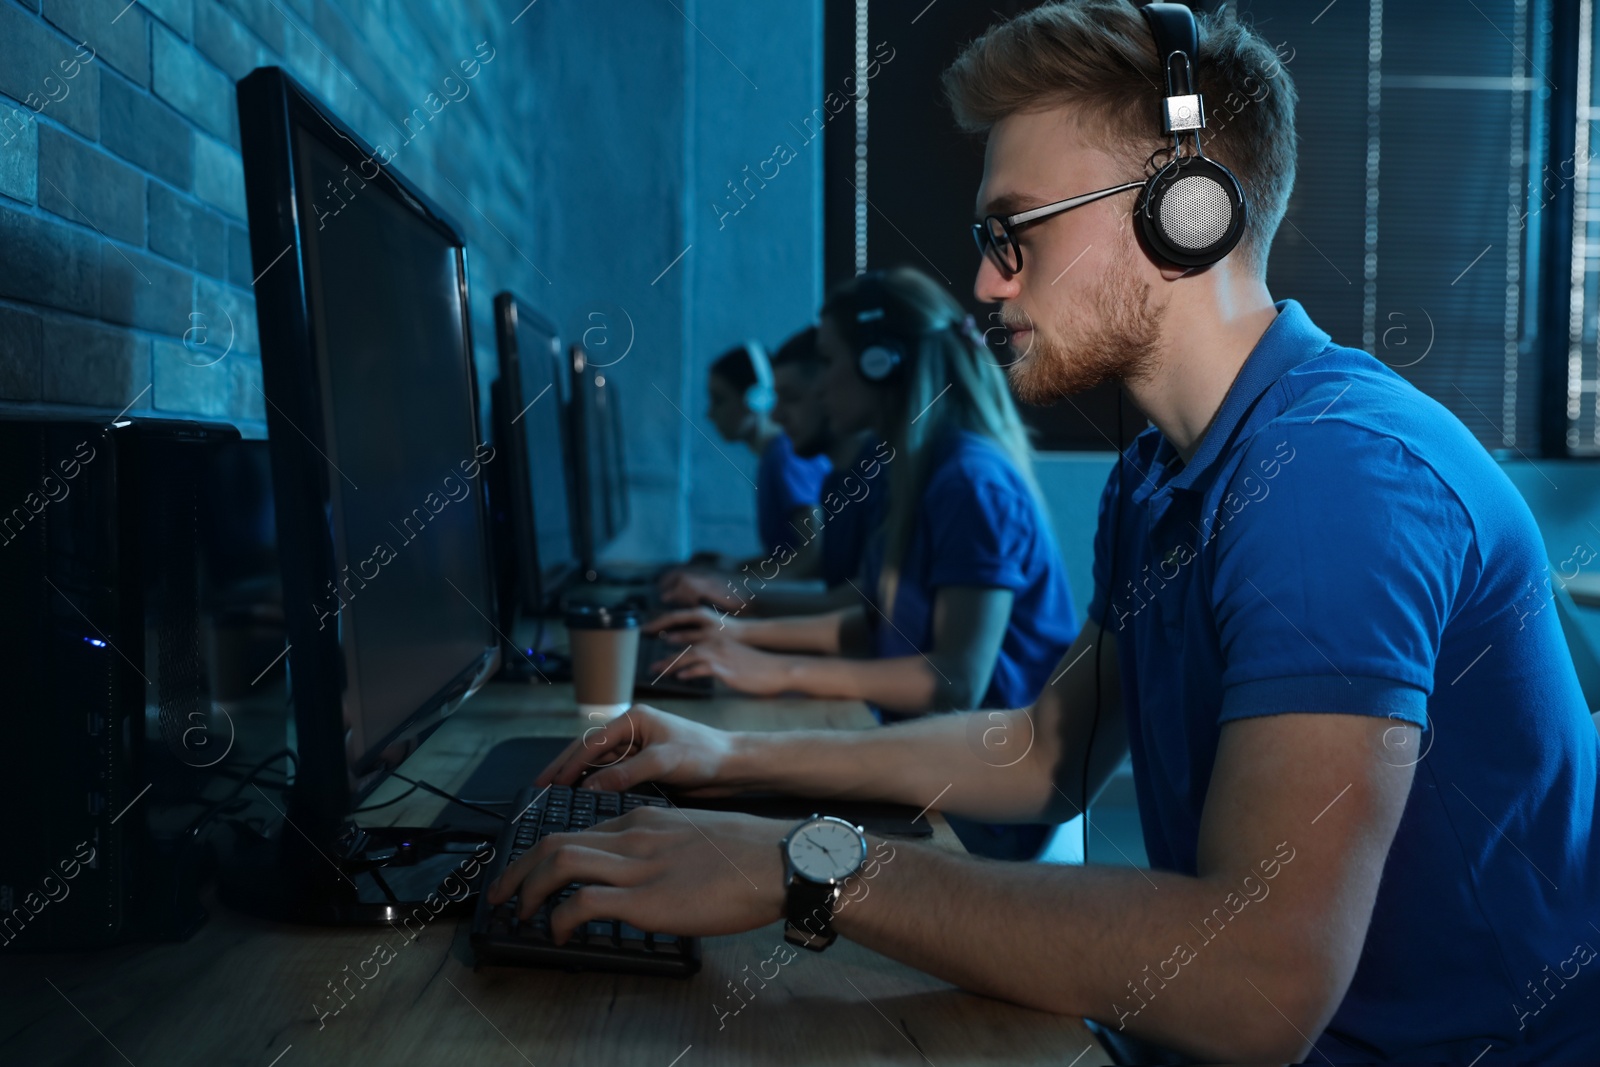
(1099, 57)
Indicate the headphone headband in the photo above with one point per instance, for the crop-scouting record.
(1192, 211)
(1178, 47)
(881, 349)
(761, 397)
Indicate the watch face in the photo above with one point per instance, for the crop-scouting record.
(827, 850)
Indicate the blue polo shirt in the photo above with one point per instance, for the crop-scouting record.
(853, 500)
(784, 482)
(1340, 543)
(978, 524)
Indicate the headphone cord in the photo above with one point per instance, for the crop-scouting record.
(1105, 618)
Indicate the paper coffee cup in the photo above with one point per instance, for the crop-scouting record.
(596, 714)
(604, 643)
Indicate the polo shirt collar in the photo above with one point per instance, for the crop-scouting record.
(1291, 340)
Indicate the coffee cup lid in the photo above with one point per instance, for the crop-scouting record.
(602, 616)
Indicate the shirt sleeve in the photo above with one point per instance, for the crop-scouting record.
(1339, 554)
(981, 528)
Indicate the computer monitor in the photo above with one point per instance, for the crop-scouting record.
(613, 459)
(600, 484)
(531, 431)
(377, 464)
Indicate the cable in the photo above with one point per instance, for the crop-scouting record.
(274, 783)
(386, 803)
(1105, 618)
(452, 798)
(194, 828)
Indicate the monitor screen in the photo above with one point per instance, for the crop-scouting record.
(376, 457)
(384, 293)
(599, 480)
(534, 429)
(608, 446)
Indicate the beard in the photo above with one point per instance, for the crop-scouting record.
(1118, 340)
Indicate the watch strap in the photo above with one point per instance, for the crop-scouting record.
(809, 914)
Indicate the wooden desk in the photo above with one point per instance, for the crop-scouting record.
(241, 990)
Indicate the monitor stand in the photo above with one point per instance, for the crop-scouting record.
(373, 875)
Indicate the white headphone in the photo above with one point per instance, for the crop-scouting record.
(761, 397)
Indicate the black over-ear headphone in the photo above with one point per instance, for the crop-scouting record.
(1192, 210)
(879, 360)
(879, 353)
(882, 349)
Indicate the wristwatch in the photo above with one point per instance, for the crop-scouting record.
(818, 855)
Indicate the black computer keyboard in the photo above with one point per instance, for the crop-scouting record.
(599, 945)
(653, 681)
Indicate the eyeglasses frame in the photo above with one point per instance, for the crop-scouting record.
(984, 236)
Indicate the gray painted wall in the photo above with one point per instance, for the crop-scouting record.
(640, 123)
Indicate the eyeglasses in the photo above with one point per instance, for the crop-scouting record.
(996, 234)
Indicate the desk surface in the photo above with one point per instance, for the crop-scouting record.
(240, 991)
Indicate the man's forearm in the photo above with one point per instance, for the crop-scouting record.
(902, 683)
(943, 758)
(1140, 951)
(798, 600)
(818, 634)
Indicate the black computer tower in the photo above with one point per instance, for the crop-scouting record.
(110, 737)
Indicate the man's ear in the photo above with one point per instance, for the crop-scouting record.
(1170, 273)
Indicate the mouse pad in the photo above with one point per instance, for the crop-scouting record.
(513, 764)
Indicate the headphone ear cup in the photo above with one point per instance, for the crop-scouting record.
(760, 398)
(1191, 212)
(877, 362)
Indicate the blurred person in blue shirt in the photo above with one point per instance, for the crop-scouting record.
(963, 598)
(741, 397)
(850, 507)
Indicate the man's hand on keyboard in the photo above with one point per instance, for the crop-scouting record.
(691, 626)
(737, 665)
(693, 587)
(667, 870)
(647, 745)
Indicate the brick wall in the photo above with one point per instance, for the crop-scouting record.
(598, 140)
(124, 258)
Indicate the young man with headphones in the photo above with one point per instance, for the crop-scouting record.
(1366, 774)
